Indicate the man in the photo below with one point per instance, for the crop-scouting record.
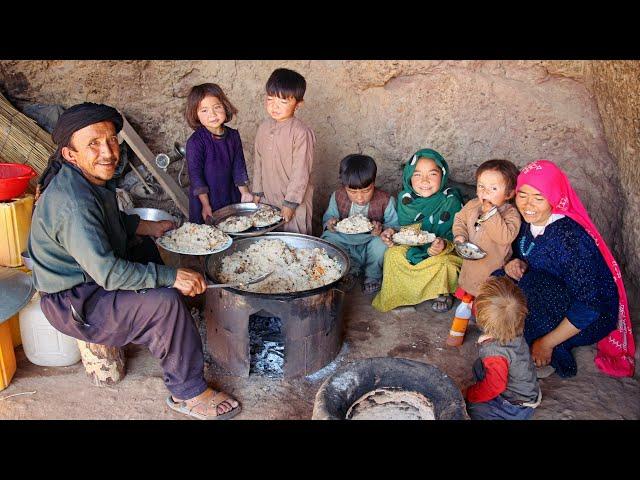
(93, 286)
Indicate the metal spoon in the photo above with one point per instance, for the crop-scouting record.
(239, 284)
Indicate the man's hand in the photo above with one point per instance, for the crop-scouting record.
(331, 224)
(437, 247)
(386, 235)
(189, 282)
(256, 199)
(515, 268)
(377, 228)
(288, 213)
(459, 239)
(206, 212)
(154, 229)
(541, 352)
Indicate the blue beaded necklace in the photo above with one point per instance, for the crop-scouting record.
(528, 251)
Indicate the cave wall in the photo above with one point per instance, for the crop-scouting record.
(581, 114)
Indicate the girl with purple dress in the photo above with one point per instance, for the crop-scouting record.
(215, 159)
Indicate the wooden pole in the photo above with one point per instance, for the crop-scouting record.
(105, 365)
(129, 135)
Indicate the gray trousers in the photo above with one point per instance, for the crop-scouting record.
(368, 255)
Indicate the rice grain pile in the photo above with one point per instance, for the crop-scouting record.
(410, 236)
(265, 216)
(355, 224)
(294, 269)
(194, 239)
(235, 224)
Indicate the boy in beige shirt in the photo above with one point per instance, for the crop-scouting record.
(491, 222)
(284, 153)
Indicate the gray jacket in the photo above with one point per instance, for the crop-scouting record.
(78, 235)
(522, 383)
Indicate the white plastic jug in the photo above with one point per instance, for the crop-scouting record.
(43, 344)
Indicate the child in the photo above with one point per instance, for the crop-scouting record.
(284, 153)
(491, 222)
(215, 159)
(507, 386)
(427, 272)
(359, 195)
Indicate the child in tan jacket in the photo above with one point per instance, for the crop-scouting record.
(283, 158)
(491, 222)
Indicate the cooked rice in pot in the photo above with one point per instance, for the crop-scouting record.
(294, 269)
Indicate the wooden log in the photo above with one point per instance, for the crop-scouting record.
(105, 365)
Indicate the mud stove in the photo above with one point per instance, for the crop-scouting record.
(277, 335)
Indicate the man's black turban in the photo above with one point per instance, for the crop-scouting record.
(72, 120)
(80, 116)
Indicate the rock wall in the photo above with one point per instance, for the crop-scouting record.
(470, 111)
(616, 85)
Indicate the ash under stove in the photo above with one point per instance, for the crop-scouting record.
(266, 345)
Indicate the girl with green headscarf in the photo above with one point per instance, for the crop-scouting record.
(412, 275)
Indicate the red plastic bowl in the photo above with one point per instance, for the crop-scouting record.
(14, 179)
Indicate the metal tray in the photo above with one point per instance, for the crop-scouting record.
(226, 245)
(243, 209)
(16, 289)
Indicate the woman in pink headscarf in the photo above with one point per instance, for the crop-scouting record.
(572, 283)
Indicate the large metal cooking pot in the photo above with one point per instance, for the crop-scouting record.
(293, 240)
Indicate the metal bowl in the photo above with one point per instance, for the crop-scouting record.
(469, 251)
(152, 214)
(293, 240)
(26, 259)
(243, 209)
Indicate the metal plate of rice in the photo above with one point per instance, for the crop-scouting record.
(266, 223)
(412, 237)
(355, 224)
(194, 239)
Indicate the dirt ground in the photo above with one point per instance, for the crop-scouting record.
(415, 333)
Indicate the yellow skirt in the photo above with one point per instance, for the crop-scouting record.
(406, 284)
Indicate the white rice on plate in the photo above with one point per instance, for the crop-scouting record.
(410, 236)
(194, 239)
(265, 216)
(355, 224)
(235, 224)
(294, 269)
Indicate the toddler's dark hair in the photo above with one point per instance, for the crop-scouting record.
(197, 94)
(285, 83)
(506, 168)
(358, 171)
